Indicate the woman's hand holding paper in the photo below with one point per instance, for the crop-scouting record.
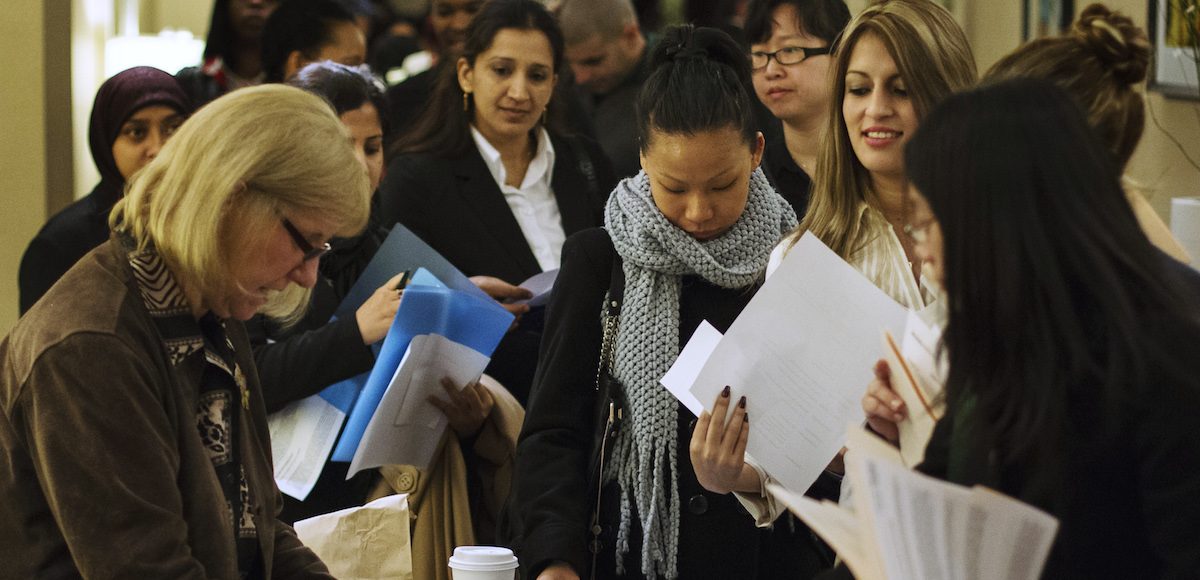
(718, 448)
(884, 408)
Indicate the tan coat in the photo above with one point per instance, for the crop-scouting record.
(438, 497)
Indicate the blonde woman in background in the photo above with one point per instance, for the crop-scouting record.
(132, 413)
(893, 63)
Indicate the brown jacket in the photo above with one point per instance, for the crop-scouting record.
(102, 471)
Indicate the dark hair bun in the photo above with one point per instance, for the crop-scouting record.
(1116, 41)
(687, 42)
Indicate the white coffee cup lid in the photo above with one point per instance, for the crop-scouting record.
(483, 558)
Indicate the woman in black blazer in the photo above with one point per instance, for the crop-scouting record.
(486, 178)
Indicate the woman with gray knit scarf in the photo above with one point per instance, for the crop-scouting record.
(636, 488)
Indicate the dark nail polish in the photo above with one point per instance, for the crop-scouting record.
(725, 393)
(742, 402)
(746, 418)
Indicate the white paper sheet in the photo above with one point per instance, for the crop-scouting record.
(302, 435)
(539, 285)
(802, 353)
(406, 428)
(909, 525)
(688, 364)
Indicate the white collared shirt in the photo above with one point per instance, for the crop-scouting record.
(533, 203)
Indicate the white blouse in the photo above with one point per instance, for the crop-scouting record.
(533, 203)
(882, 260)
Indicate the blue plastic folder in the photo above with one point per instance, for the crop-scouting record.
(403, 250)
(344, 394)
(464, 318)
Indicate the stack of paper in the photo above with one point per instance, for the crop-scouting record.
(445, 327)
(908, 525)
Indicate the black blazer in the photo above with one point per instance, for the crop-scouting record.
(454, 204)
(456, 207)
(63, 240)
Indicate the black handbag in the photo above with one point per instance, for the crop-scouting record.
(609, 409)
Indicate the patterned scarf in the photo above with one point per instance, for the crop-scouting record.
(223, 393)
(655, 256)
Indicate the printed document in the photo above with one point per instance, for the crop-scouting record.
(909, 525)
(406, 428)
(802, 354)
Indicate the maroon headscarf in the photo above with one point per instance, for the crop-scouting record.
(119, 98)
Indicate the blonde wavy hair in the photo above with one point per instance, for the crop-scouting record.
(223, 181)
(934, 59)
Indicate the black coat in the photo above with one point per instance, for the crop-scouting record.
(455, 206)
(66, 238)
(551, 503)
(1130, 494)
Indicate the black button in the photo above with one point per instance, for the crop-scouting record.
(698, 504)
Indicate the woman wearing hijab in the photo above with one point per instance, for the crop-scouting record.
(135, 112)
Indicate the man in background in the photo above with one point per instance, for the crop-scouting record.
(607, 54)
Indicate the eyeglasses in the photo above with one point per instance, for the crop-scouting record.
(785, 56)
(310, 253)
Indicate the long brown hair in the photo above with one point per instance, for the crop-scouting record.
(934, 59)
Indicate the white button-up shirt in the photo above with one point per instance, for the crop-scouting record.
(533, 203)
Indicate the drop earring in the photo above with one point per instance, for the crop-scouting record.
(466, 102)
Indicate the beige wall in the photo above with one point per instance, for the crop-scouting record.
(23, 148)
(994, 28)
(1158, 165)
(190, 15)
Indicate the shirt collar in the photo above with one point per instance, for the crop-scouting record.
(540, 168)
(164, 300)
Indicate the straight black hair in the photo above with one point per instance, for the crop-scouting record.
(219, 42)
(346, 88)
(303, 25)
(823, 19)
(1048, 276)
(444, 128)
(700, 81)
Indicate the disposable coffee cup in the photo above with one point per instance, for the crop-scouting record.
(483, 563)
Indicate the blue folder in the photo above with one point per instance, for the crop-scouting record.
(478, 323)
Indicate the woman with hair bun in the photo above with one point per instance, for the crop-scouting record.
(1100, 62)
(1073, 351)
(613, 476)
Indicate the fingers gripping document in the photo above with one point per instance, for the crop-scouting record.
(801, 353)
(917, 375)
(909, 525)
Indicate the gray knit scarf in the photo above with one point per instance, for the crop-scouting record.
(655, 255)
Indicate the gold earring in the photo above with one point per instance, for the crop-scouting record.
(466, 102)
(544, 115)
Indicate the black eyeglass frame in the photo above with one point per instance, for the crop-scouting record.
(310, 252)
(808, 53)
